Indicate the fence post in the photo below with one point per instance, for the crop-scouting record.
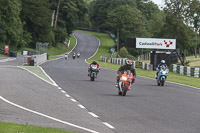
(196, 72)
(182, 70)
(188, 71)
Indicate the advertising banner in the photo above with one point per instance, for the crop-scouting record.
(155, 43)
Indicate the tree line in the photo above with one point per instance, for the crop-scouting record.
(25, 22)
(177, 19)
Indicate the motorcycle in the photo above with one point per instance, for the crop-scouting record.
(78, 55)
(66, 56)
(162, 75)
(73, 56)
(125, 82)
(93, 72)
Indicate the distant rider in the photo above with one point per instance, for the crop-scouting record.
(90, 69)
(74, 55)
(66, 56)
(78, 54)
(162, 63)
(122, 69)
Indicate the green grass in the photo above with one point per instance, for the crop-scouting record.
(36, 70)
(1, 55)
(56, 52)
(16, 128)
(107, 42)
(193, 62)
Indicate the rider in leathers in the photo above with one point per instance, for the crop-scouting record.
(127, 66)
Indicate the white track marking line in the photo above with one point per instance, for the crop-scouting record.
(7, 59)
(73, 100)
(37, 76)
(94, 115)
(63, 91)
(81, 106)
(49, 117)
(59, 88)
(48, 76)
(108, 125)
(67, 95)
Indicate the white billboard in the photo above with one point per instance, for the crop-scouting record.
(155, 43)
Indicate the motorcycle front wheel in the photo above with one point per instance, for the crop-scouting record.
(125, 90)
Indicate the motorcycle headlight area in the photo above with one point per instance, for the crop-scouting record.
(164, 72)
(124, 78)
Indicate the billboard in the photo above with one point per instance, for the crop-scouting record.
(155, 43)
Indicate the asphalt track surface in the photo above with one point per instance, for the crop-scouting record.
(147, 108)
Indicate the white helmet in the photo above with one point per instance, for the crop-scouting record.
(162, 62)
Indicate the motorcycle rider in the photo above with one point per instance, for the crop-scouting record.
(162, 63)
(78, 54)
(127, 66)
(89, 67)
(66, 56)
(74, 55)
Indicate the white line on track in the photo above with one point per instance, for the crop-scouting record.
(73, 100)
(108, 125)
(37, 76)
(49, 117)
(48, 76)
(81, 106)
(94, 115)
(67, 95)
(7, 59)
(63, 91)
(59, 88)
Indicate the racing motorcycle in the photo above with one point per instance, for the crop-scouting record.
(162, 75)
(74, 56)
(93, 72)
(125, 82)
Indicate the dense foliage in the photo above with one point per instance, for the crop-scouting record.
(25, 22)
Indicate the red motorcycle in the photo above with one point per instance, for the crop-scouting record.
(125, 82)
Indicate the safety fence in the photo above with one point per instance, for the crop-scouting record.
(121, 61)
(189, 71)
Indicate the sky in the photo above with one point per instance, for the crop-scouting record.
(158, 2)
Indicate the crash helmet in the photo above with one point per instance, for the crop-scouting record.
(162, 62)
(129, 62)
(94, 62)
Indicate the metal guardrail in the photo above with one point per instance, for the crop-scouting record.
(121, 61)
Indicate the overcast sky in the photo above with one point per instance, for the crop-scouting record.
(158, 2)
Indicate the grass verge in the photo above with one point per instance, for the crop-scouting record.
(16, 128)
(107, 42)
(56, 52)
(36, 70)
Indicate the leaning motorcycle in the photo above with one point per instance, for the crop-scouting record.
(125, 82)
(93, 72)
(162, 76)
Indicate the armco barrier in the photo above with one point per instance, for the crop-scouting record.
(189, 71)
(122, 61)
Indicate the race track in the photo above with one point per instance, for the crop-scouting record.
(147, 108)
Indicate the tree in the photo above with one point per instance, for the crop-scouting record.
(127, 22)
(36, 16)
(11, 25)
(100, 8)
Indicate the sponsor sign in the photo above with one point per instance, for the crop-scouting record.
(6, 49)
(154, 43)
